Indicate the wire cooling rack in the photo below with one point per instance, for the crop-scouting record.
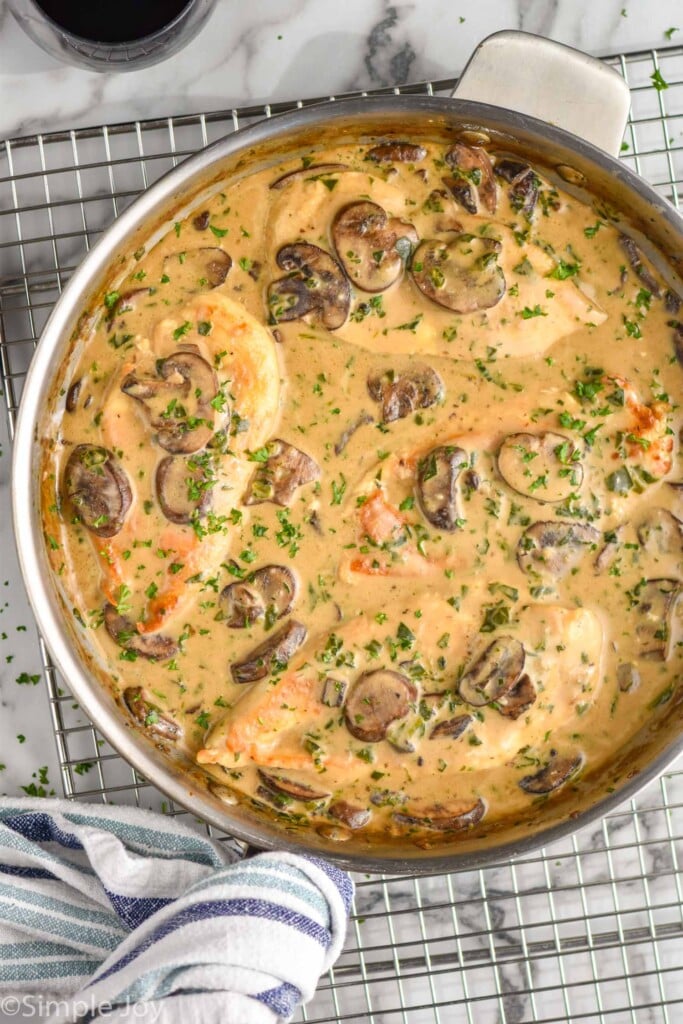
(591, 929)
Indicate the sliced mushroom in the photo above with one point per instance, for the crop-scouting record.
(354, 817)
(416, 387)
(178, 400)
(510, 169)
(197, 270)
(269, 591)
(72, 395)
(372, 247)
(201, 221)
(315, 288)
(553, 549)
(628, 677)
(461, 275)
(657, 602)
(518, 700)
(153, 646)
(334, 691)
(524, 181)
(661, 533)
(677, 339)
(149, 715)
(452, 728)
(271, 655)
(636, 260)
(554, 774)
(127, 302)
(291, 787)
(97, 488)
(545, 467)
(437, 475)
(313, 171)
(440, 818)
(361, 420)
(375, 700)
(396, 153)
(183, 488)
(672, 302)
(608, 552)
(277, 479)
(494, 673)
(474, 184)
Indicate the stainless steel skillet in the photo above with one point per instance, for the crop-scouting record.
(545, 83)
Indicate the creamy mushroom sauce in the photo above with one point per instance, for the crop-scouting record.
(365, 487)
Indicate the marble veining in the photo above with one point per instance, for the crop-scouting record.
(269, 51)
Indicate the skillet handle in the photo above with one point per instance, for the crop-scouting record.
(553, 82)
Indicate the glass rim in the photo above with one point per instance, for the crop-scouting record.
(113, 47)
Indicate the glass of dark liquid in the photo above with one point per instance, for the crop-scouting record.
(124, 35)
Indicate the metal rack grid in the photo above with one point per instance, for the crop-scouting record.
(591, 929)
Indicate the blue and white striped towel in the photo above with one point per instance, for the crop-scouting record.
(105, 909)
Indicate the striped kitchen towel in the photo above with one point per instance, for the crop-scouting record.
(123, 914)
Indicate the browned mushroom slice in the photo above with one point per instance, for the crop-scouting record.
(315, 289)
(291, 787)
(396, 153)
(494, 673)
(635, 259)
(440, 818)
(183, 488)
(628, 677)
(153, 646)
(672, 302)
(437, 475)
(354, 817)
(277, 479)
(474, 183)
(510, 169)
(197, 270)
(545, 467)
(361, 420)
(554, 774)
(72, 395)
(553, 549)
(127, 302)
(608, 552)
(461, 275)
(518, 700)
(201, 221)
(149, 715)
(452, 728)
(178, 401)
(657, 602)
(334, 691)
(523, 181)
(677, 339)
(416, 387)
(270, 656)
(376, 700)
(269, 592)
(313, 171)
(97, 488)
(372, 247)
(661, 533)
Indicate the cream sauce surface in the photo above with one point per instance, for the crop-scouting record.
(413, 423)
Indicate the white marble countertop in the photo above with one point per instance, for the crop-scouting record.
(270, 50)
